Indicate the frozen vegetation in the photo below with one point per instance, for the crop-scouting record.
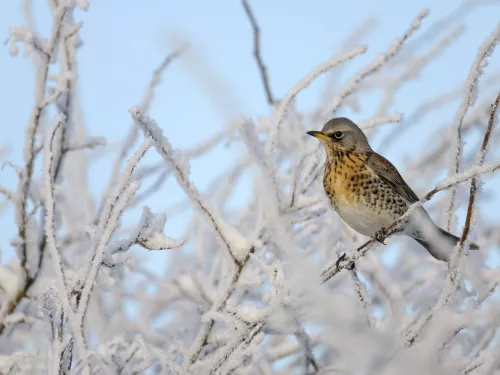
(255, 289)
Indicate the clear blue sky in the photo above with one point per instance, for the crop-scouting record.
(125, 40)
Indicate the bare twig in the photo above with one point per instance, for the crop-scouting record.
(7, 194)
(305, 342)
(256, 52)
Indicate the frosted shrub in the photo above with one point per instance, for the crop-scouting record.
(264, 287)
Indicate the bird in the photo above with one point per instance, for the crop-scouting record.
(368, 192)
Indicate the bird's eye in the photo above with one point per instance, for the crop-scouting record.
(338, 135)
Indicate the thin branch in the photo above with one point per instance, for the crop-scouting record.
(65, 108)
(468, 100)
(482, 153)
(7, 194)
(252, 331)
(256, 52)
(414, 68)
(382, 120)
(115, 204)
(32, 128)
(51, 238)
(23, 191)
(90, 144)
(305, 342)
(362, 295)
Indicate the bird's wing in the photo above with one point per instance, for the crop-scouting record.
(388, 173)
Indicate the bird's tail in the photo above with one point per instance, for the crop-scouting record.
(441, 246)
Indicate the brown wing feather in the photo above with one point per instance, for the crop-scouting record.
(388, 173)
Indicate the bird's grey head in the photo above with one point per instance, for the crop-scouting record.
(341, 134)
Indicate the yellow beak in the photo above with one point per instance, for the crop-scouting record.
(317, 134)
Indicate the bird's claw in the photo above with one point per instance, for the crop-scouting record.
(380, 235)
(349, 266)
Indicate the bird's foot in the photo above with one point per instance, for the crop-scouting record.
(349, 266)
(381, 235)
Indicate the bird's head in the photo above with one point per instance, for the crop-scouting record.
(341, 134)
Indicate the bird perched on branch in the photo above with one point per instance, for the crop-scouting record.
(368, 192)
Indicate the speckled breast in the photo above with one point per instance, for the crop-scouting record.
(348, 180)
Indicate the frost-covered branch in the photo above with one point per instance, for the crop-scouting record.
(303, 84)
(480, 159)
(228, 238)
(64, 297)
(106, 225)
(391, 119)
(32, 128)
(381, 59)
(468, 100)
